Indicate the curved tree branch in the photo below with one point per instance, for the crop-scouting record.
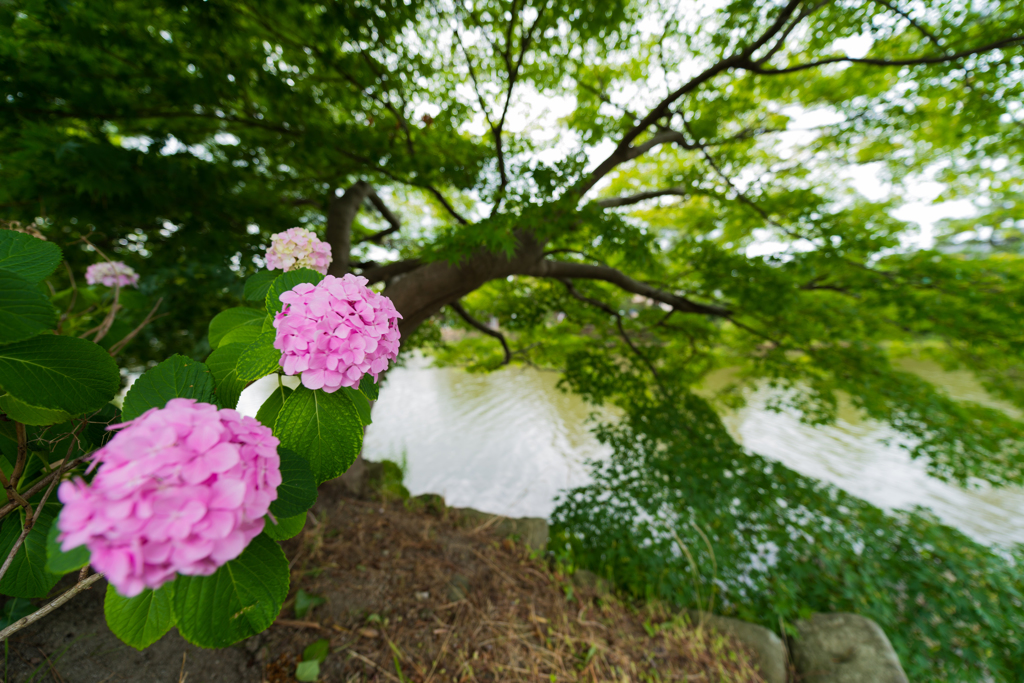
(612, 202)
(911, 61)
(457, 307)
(563, 270)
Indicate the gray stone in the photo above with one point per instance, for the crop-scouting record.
(768, 649)
(532, 531)
(844, 648)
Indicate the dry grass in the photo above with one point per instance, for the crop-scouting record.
(414, 597)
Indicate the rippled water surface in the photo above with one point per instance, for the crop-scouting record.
(508, 442)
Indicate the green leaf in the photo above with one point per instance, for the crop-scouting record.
(361, 403)
(29, 257)
(305, 602)
(142, 620)
(317, 651)
(323, 428)
(15, 609)
(257, 286)
(243, 334)
(297, 491)
(260, 358)
(24, 310)
(287, 281)
(267, 414)
(369, 387)
(307, 671)
(59, 373)
(240, 599)
(222, 363)
(27, 576)
(176, 377)
(225, 321)
(286, 527)
(60, 562)
(19, 411)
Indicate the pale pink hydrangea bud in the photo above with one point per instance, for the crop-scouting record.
(182, 489)
(335, 332)
(298, 248)
(111, 273)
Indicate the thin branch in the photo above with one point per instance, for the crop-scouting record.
(612, 202)
(74, 297)
(390, 270)
(150, 317)
(910, 61)
(563, 270)
(920, 29)
(618, 323)
(387, 214)
(43, 611)
(624, 148)
(457, 307)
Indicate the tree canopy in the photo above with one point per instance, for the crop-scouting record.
(638, 193)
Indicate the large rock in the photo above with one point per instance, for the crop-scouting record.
(769, 650)
(844, 648)
(533, 531)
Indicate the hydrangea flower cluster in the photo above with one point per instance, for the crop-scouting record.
(182, 489)
(111, 273)
(298, 248)
(335, 332)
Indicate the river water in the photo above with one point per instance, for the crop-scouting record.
(509, 441)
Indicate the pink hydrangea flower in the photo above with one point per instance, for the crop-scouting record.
(182, 489)
(111, 273)
(336, 332)
(298, 248)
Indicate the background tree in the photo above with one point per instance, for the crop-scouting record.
(612, 242)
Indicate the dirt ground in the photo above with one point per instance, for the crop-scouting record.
(411, 593)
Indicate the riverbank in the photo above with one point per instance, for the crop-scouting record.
(406, 591)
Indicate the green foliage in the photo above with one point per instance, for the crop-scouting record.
(59, 373)
(142, 620)
(259, 358)
(240, 599)
(267, 414)
(231, 319)
(786, 546)
(176, 377)
(304, 602)
(59, 562)
(322, 428)
(27, 576)
(24, 310)
(222, 363)
(297, 491)
(27, 257)
(285, 527)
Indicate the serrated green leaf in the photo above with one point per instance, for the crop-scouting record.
(286, 527)
(260, 358)
(361, 403)
(14, 610)
(267, 414)
(241, 599)
(222, 363)
(323, 428)
(243, 334)
(287, 281)
(27, 576)
(24, 310)
(29, 257)
(176, 377)
(257, 286)
(142, 620)
(369, 387)
(225, 321)
(60, 562)
(19, 411)
(59, 373)
(297, 491)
